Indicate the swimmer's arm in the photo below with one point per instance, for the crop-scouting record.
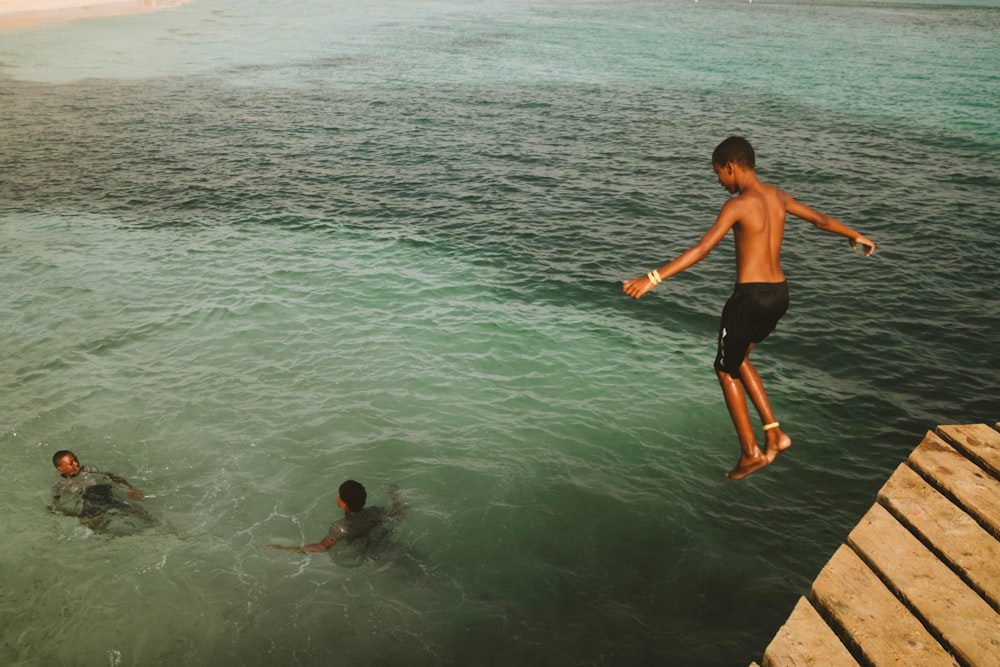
(728, 216)
(399, 506)
(323, 545)
(829, 224)
(132, 491)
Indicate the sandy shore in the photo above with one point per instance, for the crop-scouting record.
(22, 13)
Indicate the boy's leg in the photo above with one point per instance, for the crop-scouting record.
(777, 440)
(751, 458)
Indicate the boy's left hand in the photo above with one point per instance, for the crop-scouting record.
(867, 247)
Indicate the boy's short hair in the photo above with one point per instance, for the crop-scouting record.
(58, 456)
(736, 150)
(353, 494)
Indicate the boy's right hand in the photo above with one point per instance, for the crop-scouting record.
(636, 287)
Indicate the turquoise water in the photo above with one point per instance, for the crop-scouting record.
(251, 250)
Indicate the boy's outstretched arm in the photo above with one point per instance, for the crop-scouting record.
(829, 224)
(134, 493)
(728, 217)
(323, 545)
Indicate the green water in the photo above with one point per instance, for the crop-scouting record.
(249, 251)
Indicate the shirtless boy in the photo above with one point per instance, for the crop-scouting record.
(757, 217)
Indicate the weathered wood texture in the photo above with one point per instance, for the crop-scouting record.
(918, 581)
(979, 442)
(954, 612)
(805, 640)
(873, 622)
(951, 533)
(969, 486)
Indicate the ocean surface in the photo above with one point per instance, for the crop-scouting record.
(251, 250)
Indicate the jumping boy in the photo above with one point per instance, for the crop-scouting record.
(757, 217)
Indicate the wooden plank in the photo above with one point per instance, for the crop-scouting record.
(933, 541)
(870, 618)
(958, 539)
(977, 441)
(974, 489)
(965, 623)
(805, 640)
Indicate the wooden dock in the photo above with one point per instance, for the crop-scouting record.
(918, 581)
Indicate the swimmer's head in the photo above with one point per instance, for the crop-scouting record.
(65, 462)
(736, 150)
(353, 495)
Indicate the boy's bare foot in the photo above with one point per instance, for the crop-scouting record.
(748, 465)
(776, 444)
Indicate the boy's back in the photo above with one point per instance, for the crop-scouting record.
(758, 234)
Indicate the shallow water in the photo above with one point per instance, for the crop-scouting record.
(249, 251)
